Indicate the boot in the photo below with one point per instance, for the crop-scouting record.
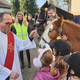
(28, 57)
(29, 65)
(22, 66)
(21, 58)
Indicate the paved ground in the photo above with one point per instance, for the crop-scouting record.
(29, 73)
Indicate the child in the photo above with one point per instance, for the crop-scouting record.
(46, 72)
(49, 20)
(74, 65)
(61, 48)
(62, 66)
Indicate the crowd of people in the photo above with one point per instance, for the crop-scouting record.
(55, 61)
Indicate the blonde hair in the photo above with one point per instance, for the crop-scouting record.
(24, 19)
(61, 65)
(46, 60)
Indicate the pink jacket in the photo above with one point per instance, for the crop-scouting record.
(46, 75)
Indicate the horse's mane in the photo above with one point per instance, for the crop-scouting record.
(71, 24)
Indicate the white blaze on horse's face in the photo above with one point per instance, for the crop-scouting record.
(45, 35)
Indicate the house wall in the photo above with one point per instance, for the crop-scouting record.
(75, 7)
(5, 10)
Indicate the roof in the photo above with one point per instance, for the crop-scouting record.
(4, 4)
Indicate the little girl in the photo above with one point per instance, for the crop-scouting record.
(62, 66)
(61, 48)
(46, 71)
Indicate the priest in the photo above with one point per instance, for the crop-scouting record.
(10, 45)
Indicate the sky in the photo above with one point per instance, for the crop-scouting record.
(39, 2)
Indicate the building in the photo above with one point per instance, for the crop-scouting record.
(5, 6)
(75, 7)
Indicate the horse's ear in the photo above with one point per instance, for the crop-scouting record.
(61, 17)
(59, 21)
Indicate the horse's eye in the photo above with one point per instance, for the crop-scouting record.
(50, 31)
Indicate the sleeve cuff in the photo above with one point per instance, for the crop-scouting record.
(4, 72)
(31, 39)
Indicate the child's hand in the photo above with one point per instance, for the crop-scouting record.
(64, 37)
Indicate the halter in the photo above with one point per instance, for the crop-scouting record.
(44, 40)
(59, 34)
(45, 15)
(60, 30)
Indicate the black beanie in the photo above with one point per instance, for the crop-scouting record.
(62, 46)
(74, 62)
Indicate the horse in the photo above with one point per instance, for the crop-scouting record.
(61, 27)
(42, 17)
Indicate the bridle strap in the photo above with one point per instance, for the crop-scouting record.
(59, 34)
(59, 31)
(46, 15)
(44, 40)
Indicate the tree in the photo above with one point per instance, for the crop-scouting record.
(15, 6)
(31, 6)
(22, 2)
(12, 7)
(64, 4)
(51, 2)
(68, 2)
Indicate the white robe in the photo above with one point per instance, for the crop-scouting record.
(19, 45)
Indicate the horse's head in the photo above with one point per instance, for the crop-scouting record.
(43, 13)
(51, 32)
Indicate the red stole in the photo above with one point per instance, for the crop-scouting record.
(10, 52)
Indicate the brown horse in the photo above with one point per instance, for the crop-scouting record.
(63, 27)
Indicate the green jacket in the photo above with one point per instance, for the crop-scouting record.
(21, 31)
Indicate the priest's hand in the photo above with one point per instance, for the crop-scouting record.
(33, 34)
(14, 75)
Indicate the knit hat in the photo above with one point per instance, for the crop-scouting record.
(74, 62)
(62, 46)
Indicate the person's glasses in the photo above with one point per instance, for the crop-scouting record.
(8, 24)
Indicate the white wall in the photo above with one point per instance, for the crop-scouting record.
(75, 7)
